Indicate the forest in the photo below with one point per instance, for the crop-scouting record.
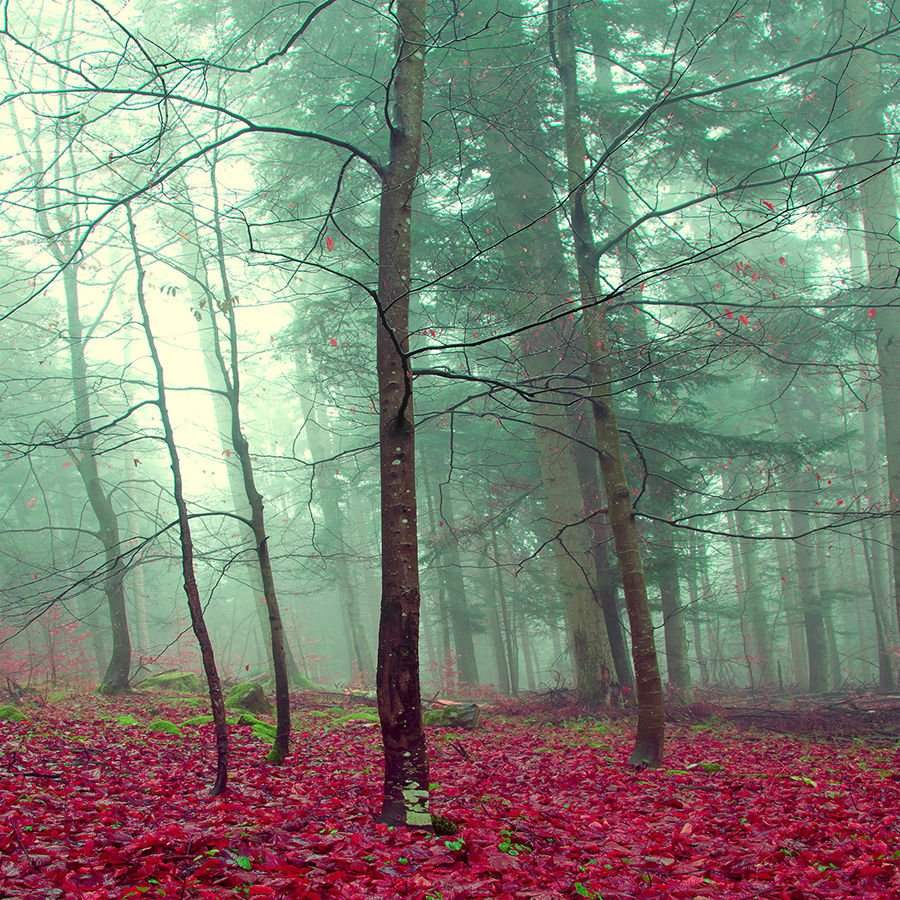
(449, 449)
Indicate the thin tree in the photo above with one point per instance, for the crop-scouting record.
(191, 589)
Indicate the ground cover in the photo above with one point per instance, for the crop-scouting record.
(96, 803)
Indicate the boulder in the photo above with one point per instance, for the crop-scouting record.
(11, 713)
(174, 682)
(455, 715)
(249, 696)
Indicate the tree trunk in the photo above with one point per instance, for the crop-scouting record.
(694, 598)
(674, 630)
(507, 616)
(875, 154)
(648, 748)
(191, 590)
(116, 679)
(604, 563)
(335, 544)
(457, 598)
(399, 700)
(533, 261)
(229, 369)
(810, 602)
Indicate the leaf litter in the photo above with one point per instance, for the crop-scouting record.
(91, 808)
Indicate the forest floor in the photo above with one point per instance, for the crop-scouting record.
(93, 804)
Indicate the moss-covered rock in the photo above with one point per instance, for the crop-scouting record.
(164, 726)
(189, 701)
(11, 713)
(175, 682)
(127, 721)
(460, 715)
(362, 715)
(248, 696)
(198, 720)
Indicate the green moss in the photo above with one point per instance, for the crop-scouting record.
(275, 757)
(164, 726)
(443, 826)
(265, 732)
(248, 696)
(177, 682)
(127, 720)
(361, 716)
(188, 701)
(198, 720)
(11, 713)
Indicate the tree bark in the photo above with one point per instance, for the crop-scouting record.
(116, 678)
(650, 737)
(191, 589)
(810, 601)
(876, 156)
(405, 800)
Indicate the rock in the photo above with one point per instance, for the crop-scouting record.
(163, 726)
(248, 696)
(458, 715)
(10, 713)
(176, 682)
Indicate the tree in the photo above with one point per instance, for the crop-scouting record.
(650, 738)
(399, 698)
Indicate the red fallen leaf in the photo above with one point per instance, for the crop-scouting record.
(329, 243)
(870, 313)
(782, 260)
(768, 205)
(729, 314)
(333, 342)
(227, 453)
(743, 320)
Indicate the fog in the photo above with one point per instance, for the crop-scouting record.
(643, 352)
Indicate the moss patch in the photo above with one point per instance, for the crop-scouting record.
(11, 713)
(264, 732)
(163, 726)
(248, 696)
(198, 720)
(186, 682)
(127, 720)
(363, 715)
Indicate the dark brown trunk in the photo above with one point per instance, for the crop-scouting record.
(405, 799)
(604, 562)
(231, 377)
(650, 737)
(191, 590)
